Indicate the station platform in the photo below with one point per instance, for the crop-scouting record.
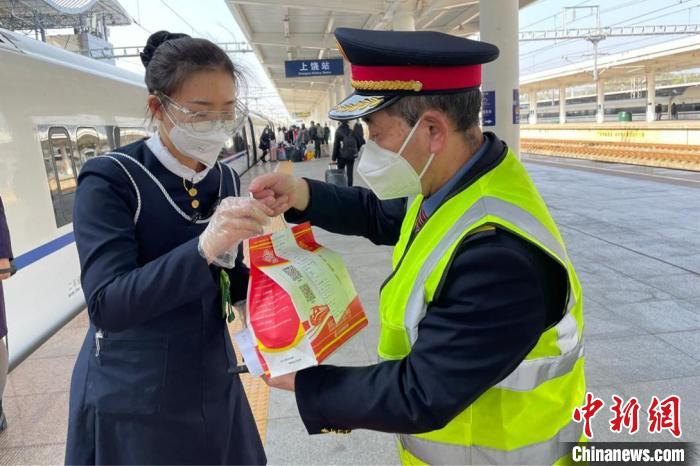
(634, 236)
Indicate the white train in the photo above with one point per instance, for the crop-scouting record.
(583, 108)
(58, 109)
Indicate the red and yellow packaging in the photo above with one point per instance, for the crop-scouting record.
(302, 304)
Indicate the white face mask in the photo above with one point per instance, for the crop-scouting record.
(203, 147)
(387, 173)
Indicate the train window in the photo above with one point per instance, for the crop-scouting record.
(129, 135)
(52, 180)
(61, 172)
(105, 134)
(88, 142)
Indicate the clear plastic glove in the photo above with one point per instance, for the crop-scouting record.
(235, 219)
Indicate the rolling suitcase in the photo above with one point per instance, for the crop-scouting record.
(336, 176)
(295, 155)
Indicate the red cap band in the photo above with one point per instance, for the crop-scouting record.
(433, 78)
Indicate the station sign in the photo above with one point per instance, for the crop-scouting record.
(306, 68)
(301, 114)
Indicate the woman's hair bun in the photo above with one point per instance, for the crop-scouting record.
(156, 40)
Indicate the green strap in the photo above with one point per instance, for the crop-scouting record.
(226, 304)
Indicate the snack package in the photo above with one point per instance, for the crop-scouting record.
(301, 303)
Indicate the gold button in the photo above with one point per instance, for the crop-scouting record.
(192, 192)
(195, 204)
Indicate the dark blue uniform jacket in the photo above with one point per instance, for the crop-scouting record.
(499, 293)
(157, 388)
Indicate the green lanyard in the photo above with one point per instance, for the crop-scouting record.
(226, 304)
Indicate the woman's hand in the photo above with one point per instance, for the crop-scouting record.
(4, 265)
(235, 219)
(281, 191)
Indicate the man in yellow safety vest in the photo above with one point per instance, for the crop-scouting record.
(481, 319)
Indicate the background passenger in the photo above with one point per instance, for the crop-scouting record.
(359, 133)
(264, 143)
(345, 149)
(326, 134)
(318, 140)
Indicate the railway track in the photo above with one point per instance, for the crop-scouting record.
(683, 157)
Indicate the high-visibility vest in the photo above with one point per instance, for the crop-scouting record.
(525, 417)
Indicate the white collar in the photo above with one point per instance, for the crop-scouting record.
(173, 165)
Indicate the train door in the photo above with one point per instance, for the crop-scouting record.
(253, 146)
(240, 145)
(62, 174)
(127, 135)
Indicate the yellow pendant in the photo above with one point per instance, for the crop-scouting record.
(192, 192)
(195, 204)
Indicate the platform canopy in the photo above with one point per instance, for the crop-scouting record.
(280, 30)
(59, 14)
(676, 55)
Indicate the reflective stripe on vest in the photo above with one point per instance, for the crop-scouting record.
(530, 372)
(443, 453)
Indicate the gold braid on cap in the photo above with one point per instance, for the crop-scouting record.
(340, 49)
(415, 86)
(359, 105)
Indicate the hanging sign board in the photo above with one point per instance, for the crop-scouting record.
(306, 68)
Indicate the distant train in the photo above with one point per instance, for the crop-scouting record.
(58, 109)
(583, 108)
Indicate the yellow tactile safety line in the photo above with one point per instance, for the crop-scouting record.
(647, 154)
(256, 389)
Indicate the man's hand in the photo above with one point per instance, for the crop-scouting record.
(4, 265)
(280, 191)
(283, 382)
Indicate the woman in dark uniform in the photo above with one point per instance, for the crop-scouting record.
(158, 225)
(6, 269)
